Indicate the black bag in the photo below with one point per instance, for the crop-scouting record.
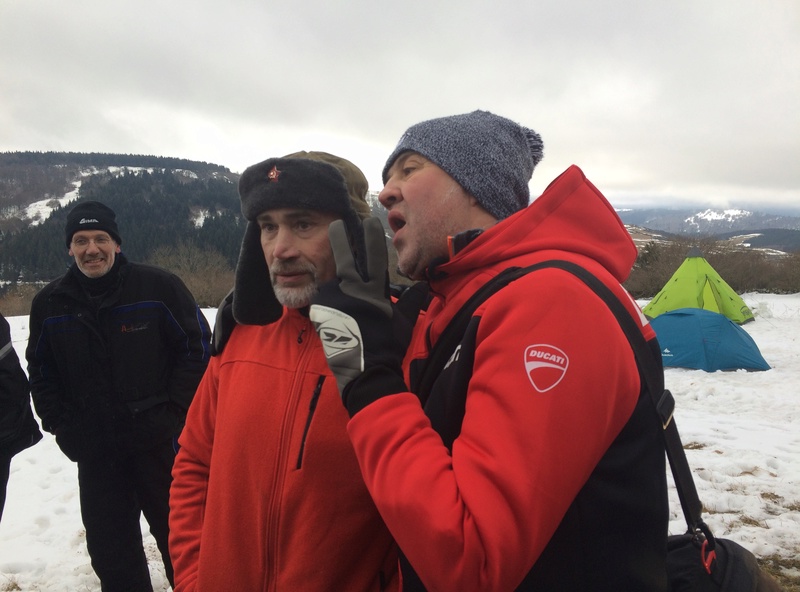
(697, 561)
(693, 567)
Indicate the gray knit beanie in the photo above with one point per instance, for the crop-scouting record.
(490, 156)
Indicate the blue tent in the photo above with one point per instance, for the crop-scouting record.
(705, 340)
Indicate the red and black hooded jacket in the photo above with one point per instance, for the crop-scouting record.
(554, 478)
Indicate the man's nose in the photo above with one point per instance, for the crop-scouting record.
(389, 195)
(284, 246)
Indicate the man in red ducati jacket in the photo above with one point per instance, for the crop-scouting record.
(267, 493)
(533, 463)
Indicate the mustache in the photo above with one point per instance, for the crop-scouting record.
(284, 267)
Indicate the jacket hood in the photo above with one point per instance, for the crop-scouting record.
(570, 216)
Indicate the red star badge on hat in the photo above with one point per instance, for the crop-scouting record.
(273, 174)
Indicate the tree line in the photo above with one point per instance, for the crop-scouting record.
(157, 213)
(105, 160)
(745, 270)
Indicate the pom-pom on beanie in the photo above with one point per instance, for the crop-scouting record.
(490, 156)
(92, 215)
(306, 180)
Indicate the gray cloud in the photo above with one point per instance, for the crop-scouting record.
(680, 101)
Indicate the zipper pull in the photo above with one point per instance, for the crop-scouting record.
(300, 336)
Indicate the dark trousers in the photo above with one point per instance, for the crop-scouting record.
(114, 493)
(5, 471)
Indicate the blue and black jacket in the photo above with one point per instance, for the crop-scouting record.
(116, 374)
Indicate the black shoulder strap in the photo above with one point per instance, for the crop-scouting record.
(452, 334)
(650, 369)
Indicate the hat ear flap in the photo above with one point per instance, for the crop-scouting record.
(355, 234)
(254, 301)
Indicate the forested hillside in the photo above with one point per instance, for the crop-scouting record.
(178, 214)
(154, 209)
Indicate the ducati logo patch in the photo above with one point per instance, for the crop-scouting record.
(545, 365)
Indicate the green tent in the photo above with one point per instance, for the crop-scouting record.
(695, 284)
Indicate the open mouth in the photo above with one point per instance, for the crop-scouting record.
(396, 221)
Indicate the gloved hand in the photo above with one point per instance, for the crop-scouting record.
(363, 339)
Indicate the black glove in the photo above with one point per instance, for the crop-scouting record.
(364, 340)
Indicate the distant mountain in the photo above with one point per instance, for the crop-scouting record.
(706, 222)
(782, 240)
(750, 229)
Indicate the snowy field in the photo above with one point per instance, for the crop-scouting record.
(742, 430)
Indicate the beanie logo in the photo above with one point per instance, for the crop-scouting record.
(89, 221)
(273, 174)
(545, 365)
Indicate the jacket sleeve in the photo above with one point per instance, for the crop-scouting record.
(45, 381)
(478, 519)
(190, 482)
(15, 419)
(191, 343)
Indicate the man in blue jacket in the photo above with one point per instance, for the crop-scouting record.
(115, 353)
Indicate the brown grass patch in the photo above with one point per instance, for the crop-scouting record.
(780, 568)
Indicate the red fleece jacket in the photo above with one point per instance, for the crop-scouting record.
(267, 493)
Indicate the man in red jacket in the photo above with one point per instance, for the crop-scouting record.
(267, 494)
(535, 460)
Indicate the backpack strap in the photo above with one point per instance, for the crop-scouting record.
(452, 334)
(647, 358)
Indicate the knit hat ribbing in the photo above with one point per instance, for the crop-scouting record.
(490, 156)
(308, 180)
(92, 215)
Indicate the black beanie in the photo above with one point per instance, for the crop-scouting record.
(92, 215)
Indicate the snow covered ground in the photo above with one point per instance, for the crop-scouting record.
(742, 430)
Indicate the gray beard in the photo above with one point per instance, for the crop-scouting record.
(295, 297)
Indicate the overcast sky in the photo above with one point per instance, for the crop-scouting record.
(686, 101)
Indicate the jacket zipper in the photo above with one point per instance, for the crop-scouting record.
(281, 468)
(312, 406)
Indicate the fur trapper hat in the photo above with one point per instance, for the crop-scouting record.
(308, 180)
(490, 156)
